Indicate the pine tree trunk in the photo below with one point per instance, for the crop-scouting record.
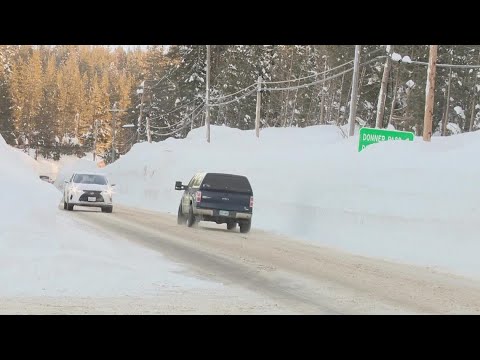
(340, 100)
(284, 123)
(293, 110)
(346, 113)
(474, 93)
(394, 97)
(309, 111)
(330, 101)
(267, 114)
(322, 108)
(447, 105)
(383, 93)
(472, 114)
(359, 89)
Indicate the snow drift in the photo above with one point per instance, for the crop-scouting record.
(45, 252)
(412, 202)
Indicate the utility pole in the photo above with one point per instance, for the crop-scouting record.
(383, 89)
(207, 96)
(95, 140)
(430, 90)
(353, 99)
(259, 101)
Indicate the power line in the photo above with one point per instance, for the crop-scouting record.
(185, 123)
(167, 75)
(306, 77)
(236, 99)
(309, 84)
(173, 110)
(299, 79)
(444, 65)
(326, 79)
(321, 73)
(229, 95)
(169, 126)
(170, 74)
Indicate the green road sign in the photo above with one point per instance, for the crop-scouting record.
(370, 136)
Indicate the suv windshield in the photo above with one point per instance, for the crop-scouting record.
(89, 179)
(226, 182)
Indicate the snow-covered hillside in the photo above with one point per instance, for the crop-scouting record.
(407, 201)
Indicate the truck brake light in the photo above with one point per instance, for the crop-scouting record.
(199, 196)
(251, 201)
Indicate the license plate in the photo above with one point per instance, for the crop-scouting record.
(92, 199)
(224, 213)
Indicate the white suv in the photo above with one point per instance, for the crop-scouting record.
(88, 189)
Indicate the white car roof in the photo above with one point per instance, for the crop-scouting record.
(88, 173)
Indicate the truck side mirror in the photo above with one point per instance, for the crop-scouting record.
(180, 186)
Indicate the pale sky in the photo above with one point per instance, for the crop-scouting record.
(128, 47)
(131, 47)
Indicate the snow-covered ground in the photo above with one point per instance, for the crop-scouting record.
(44, 252)
(412, 202)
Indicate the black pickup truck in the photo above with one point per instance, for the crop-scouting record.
(221, 198)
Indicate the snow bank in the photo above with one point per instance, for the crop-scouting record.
(68, 166)
(25, 198)
(406, 201)
(43, 251)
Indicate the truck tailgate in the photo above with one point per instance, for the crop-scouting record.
(220, 200)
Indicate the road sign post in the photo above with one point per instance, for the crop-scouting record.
(370, 136)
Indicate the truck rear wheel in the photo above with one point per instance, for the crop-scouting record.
(245, 227)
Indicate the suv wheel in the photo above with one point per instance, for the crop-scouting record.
(231, 225)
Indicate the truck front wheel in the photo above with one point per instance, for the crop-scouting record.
(191, 218)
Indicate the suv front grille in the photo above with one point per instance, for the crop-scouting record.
(89, 193)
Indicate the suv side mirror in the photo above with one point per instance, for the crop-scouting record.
(180, 186)
(66, 181)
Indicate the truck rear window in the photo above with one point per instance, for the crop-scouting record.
(227, 183)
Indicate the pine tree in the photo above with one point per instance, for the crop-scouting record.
(6, 122)
(49, 119)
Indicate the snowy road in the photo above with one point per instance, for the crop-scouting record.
(286, 276)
